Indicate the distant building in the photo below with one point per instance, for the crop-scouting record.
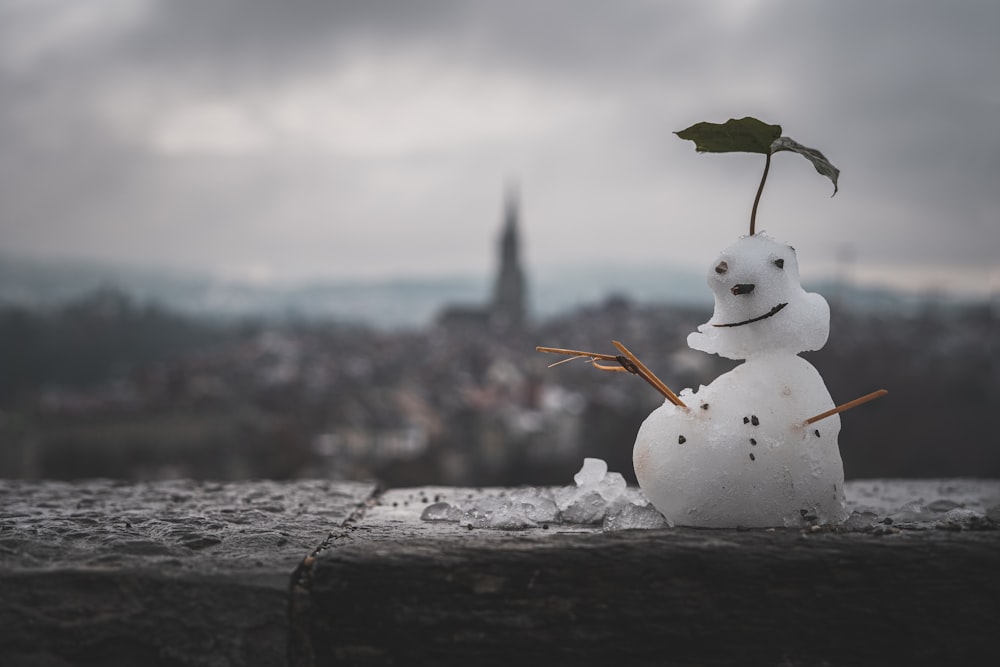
(508, 309)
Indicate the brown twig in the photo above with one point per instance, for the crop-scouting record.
(592, 357)
(576, 353)
(756, 200)
(847, 406)
(627, 362)
(649, 376)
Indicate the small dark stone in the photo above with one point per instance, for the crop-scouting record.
(681, 440)
(752, 457)
(746, 420)
(887, 521)
(816, 432)
(468, 526)
(753, 441)
(545, 526)
(704, 406)
(754, 420)
(395, 504)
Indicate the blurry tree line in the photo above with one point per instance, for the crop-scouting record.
(108, 387)
(92, 340)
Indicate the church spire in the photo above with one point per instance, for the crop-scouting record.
(509, 309)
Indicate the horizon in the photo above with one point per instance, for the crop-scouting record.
(389, 303)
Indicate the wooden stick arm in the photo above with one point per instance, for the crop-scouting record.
(847, 406)
(649, 376)
(577, 353)
(627, 361)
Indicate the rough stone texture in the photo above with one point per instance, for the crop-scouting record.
(187, 573)
(397, 590)
(165, 573)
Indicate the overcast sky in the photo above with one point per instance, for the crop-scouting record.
(318, 139)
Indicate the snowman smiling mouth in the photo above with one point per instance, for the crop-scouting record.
(766, 315)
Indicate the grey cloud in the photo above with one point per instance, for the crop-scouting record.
(901, 95)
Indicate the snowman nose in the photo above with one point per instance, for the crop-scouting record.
(743, 288)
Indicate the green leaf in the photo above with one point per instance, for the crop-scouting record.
(746, 135)
(819, 160)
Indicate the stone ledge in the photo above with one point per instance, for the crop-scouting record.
(165, 573)
(396, 590)
(187, 573)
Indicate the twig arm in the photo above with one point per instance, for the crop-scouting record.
(847, 406)
(576, 353)
(649, 376)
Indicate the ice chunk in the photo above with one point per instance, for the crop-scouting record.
(522, 508)
(911, 512)
(592, 472)
(538, 505)
(500, 513)
(635, 517)
(441, 512)
(586, 507)
(597, 493)
(634, 495)
(612, 487)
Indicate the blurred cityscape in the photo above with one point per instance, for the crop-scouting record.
(107, 386)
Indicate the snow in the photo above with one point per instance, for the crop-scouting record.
(873, 506)
(739, 454)
(596, 497)
(801, 325)
(635, 517)
(592, 472)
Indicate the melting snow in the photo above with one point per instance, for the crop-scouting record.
(599, 497)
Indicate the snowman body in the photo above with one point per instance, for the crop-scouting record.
(740, 453)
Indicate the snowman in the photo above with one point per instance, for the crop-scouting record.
(739, 452)
(757, 447)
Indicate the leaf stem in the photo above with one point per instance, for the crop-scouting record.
(760, 189)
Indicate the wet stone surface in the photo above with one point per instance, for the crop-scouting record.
(167, 573)
(172, 525)
(315, 573)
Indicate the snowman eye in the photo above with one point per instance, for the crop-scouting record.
(780, 263)
(721, 268)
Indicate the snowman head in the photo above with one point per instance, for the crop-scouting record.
(760, 305)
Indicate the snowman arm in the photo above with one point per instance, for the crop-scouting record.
(611, 369)
(647, 375)
(592, 357)
(847, 406)
(576, 353)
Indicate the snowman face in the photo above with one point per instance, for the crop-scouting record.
(760, 305)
